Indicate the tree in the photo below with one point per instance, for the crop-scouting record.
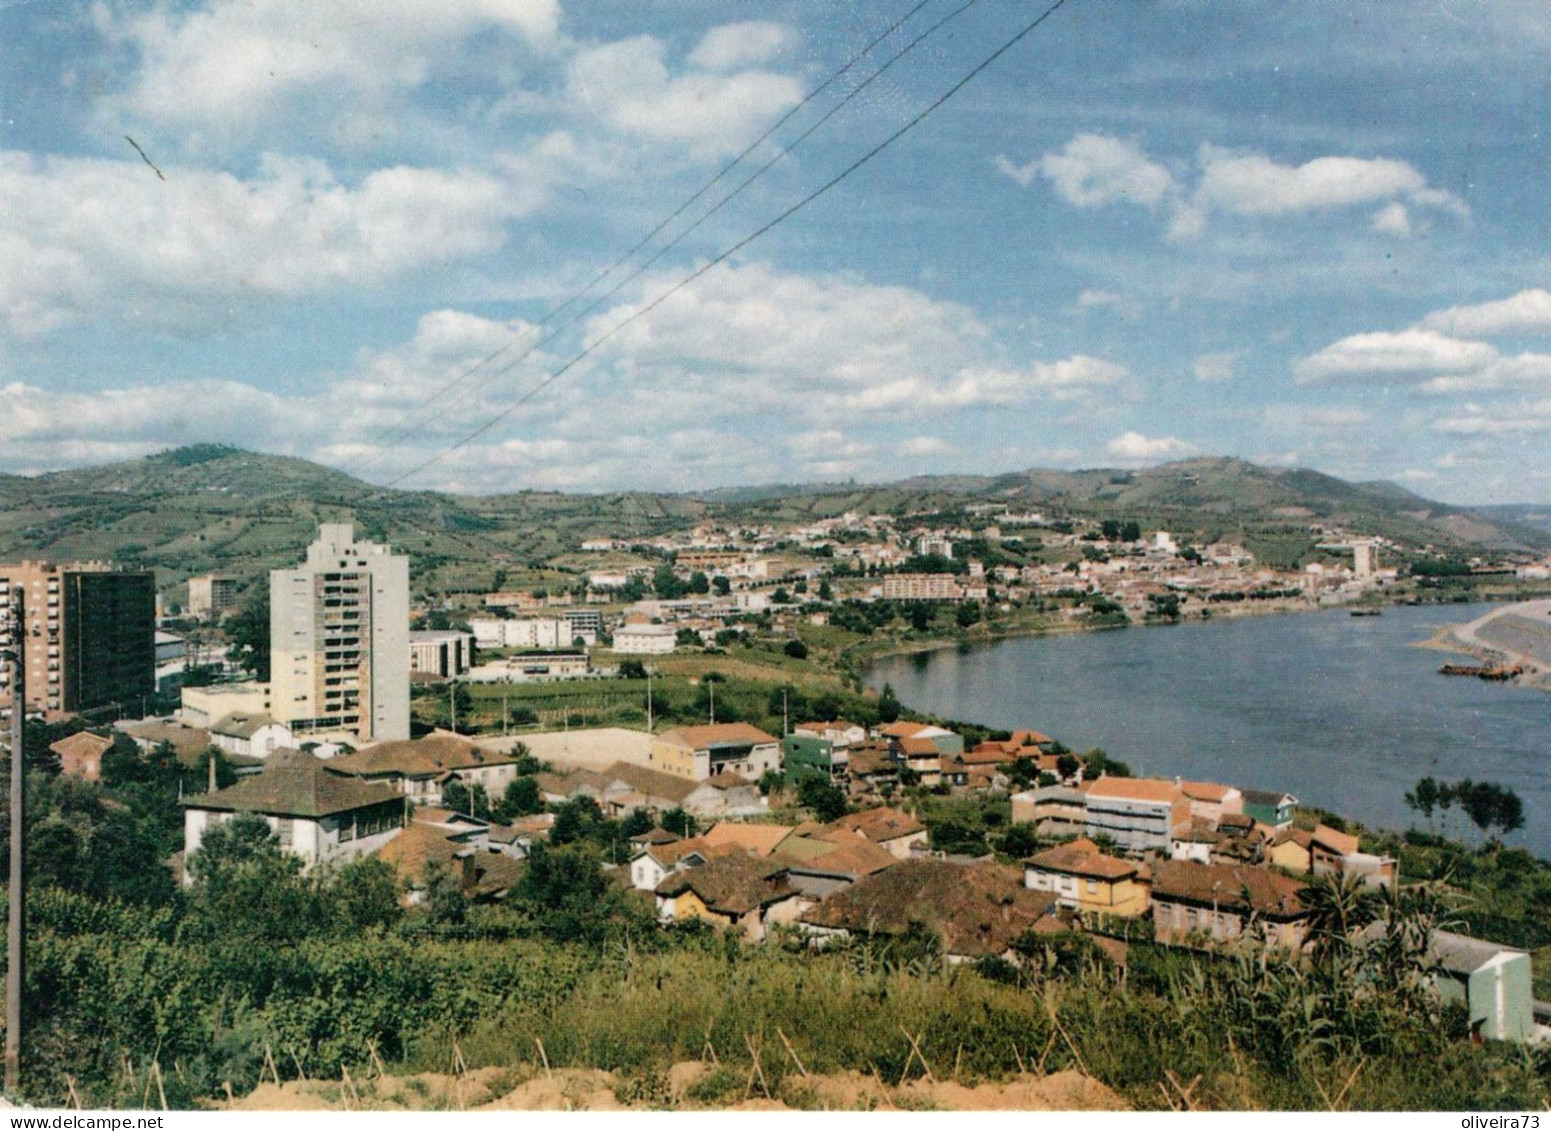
(1067, 765)
(364, 893)
(780, 597)
(1423, 798)
(796, 649)
(699, 583)
(888, 705)
(666, 583)
(637, 822)
(574, 820)
(826, 799)
(770, 781)
(122, 763)
(445, 903)
(1338, 907)
(675, 821)
(632, 669)
(522, 798)
(247, 632)
(722, 585)
(1019, 841)
(921, 615)
(967, 613)
(565, 890)
(826, 593)
(461, 797)
(687, 638)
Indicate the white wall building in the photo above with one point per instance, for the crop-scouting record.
(645, 639)
(339, 639)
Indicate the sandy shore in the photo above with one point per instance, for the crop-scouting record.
(1512, 634)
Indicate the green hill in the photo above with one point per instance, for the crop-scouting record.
(209, 507)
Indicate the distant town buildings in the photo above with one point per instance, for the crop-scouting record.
(90, 637)
(211, 595)
(339, 639)
(447, 654)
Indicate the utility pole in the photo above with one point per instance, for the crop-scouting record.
(786, 723)
(648, 700)
(13, 932)
(711, 687)
(452, 703)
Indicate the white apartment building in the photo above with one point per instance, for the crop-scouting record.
(339, 639)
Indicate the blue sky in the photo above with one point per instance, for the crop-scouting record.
(1302, 234)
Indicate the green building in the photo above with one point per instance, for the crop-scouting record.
(1270, 807)
(1489, 980)
(804, 754)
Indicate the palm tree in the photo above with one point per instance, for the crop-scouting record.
(1339, 906)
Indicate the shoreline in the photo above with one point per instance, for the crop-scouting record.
(925, 646)
(1464, 639)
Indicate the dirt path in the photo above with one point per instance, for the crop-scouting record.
(571, 1089)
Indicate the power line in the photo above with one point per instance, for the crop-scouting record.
(646, 239)
(1006, 46)
(642, 268)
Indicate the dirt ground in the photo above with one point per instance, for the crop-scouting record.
(572, 1089)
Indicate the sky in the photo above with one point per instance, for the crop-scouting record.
(409, 238)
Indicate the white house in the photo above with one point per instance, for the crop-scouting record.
(645, 639)
(317, 815)
(251, 735)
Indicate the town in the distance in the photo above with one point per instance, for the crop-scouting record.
(687, 708)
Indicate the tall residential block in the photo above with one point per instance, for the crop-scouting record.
(339, 639)
(211, 595)
(90, 637)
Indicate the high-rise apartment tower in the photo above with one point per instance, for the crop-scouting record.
(339, 639)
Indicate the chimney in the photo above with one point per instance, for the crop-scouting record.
(212, 771)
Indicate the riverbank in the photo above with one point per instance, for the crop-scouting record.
(1516, 635)
(854, 660)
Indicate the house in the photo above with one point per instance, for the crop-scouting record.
(250, 735)
(975, 910)
(871, 770)
(734, 890)
(1493, 982)
(187, 742)
(839, 733)
(702, 752)
(1083, 878)
(1138, 814)
(817, 867)
(625, 786)
(980, 768)
(80, 755)
(1054, 810)
(1333, 853)
(1269, 807)
(1210, 802)
(1292, 849)
(810, 754)
(483, 874)
(421, 768)
(921, 756)
(896, 832)
(1196, 904)
(755, 840)
(1193, 842)
(317, 815)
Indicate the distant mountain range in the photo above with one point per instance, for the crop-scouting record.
(207, 507)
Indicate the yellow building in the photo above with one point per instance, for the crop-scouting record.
(1082, 877)
(703, 752)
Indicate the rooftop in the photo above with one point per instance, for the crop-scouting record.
(294, 784)
(1082, 857)
(1237, 887)
(715, 734)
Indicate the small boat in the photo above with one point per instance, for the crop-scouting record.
(1367, 612)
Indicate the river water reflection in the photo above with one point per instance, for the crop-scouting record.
(1342, 711)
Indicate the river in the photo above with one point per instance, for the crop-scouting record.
(1341, 711)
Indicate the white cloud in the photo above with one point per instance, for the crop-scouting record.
(1408, 355)
(233, 66)
(1093, 169)
(1392, 220)
(1251, 184)
(1528, 312)
(1135, 448)
(1217, 367)
(731, 46)
(1319, 418)
(1527, 370)
(628, 85)
(88, 237)
(928, 447)
(1475, 420)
